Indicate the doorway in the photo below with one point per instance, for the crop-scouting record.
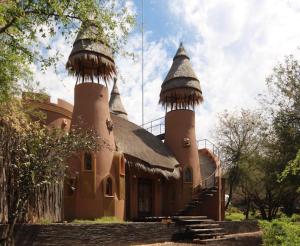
(145, 197)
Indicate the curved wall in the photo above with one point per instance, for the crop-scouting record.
(89, 200)
(180, 137)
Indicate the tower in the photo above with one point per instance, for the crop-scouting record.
(180, 93)
(92, 173)
(115, 102)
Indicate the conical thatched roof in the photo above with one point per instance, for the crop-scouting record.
(90, 58)
(181, 85)
(115, 102)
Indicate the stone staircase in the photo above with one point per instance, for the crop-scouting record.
(199, 229)
(197, 200)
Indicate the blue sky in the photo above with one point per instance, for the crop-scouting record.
(233, 46)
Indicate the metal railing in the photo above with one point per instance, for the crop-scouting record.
(156, 127)
(207, 144)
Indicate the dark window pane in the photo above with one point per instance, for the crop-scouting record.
(108, 188)
(187, 177)
(87, 161)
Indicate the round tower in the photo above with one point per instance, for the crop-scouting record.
(180, 93)
(92, 174)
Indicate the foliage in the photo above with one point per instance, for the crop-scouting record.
(280, 232)
(284, 90)
(102, 220)
(261, 150)
(238, 136)
(234, 216)
(34, 155)
(27, 23)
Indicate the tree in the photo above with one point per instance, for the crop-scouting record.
(284, 110)
(238, 136)
(24, 22)
(33, 156)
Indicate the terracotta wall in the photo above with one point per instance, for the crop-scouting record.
(89, 200)
(180, 137)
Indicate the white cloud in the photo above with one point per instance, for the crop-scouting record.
(233, 46)
(237, 44)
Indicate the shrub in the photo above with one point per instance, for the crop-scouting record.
(235, 216)
(280, 232)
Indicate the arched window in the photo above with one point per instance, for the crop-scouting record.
(88, 162)
(187, 176)
(108, 187)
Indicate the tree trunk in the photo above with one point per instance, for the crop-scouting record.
(229, 195)
(247, 208)
(9, 236)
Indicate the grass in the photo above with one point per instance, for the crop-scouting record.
(44, 221)
(234, 216)
(103, 220)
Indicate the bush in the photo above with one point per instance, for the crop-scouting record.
(235, 216)
(280, 232)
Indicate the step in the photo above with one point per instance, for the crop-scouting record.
(194, 221)
(210, 240)
(206, 230)
(190, 217)
(209, 195)
(194, 226)
(195, 202)
(209, 235)
(154, 219)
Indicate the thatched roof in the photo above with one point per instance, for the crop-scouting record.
(181, 85)
(115, 102)
(135, 141)
(90, 58)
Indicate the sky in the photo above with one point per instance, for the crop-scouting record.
(233, 46)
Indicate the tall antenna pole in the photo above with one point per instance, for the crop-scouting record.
(143, 62)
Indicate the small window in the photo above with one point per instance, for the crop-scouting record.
(108, 187)
(88, 161)
(187, 176)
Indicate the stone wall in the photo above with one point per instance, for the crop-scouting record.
(119, 233)
(94, 234)
(234, 227)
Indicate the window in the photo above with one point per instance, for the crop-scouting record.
(187, 176)
(88, 161)
(108, 187)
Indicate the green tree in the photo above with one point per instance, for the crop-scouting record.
(24, 22)
(33, 156)
(238, 136)
(284, 104)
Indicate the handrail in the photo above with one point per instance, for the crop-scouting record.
(207, 142)
(152, 121)
(159, 128)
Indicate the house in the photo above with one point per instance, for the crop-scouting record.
(136, 174)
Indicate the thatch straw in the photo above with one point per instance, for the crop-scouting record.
(144, 168)
(142, 145)
(181, 87)
(115, 102)
(180, 97)
(91, 58)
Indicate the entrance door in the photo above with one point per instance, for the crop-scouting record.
(145, 194)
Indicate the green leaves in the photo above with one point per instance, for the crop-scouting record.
(34, 155)
(23, 25)
(280, 232)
